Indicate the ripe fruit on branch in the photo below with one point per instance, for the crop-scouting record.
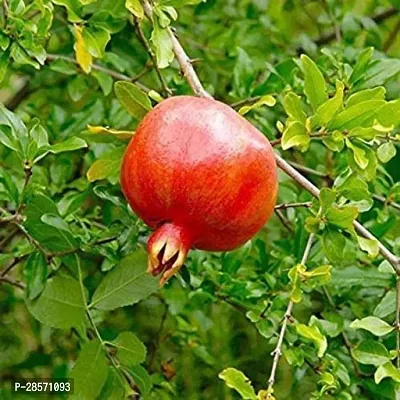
(201, 176)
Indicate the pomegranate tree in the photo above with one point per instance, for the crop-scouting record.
(201, 176)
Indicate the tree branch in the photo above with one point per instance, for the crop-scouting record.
(288, 314)
(114, 74)
(327, 38)
(183, 60)
(13, 282)
(167, 91)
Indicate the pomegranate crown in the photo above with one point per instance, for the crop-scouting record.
(168, 247)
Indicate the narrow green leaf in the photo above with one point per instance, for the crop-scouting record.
(386, 306)
(357, 115)
(295, 135)
(371, 246)
(107, 166)
(327, 110)
(377, 93)
(313, 333)
(314, 83)
(294, 107)
(163, 45)
(141, 378)
(237, 380)
(361, 64)
(134, 100)
(387, 370)
(374, 325)
(371, 352)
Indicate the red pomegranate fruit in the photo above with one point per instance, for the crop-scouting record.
(201, 176)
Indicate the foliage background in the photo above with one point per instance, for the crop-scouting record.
(68, 240)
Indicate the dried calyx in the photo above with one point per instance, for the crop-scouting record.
(168, 248)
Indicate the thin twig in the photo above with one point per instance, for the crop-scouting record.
(284, 220)
(13, 282)
(284, 206)
(336, 27)
(308, 170)
(114, 74)
(13, 264)
(5, 11)
(386, 201)
(167, 91)
(183, 60)
(327, 38)
(288, 314)
(157, 338)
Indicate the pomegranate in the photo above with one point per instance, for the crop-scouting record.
(201, 176)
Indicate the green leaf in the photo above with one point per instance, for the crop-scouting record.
(135, 7)
(264, 101)
(35, 272)
(50, 232)
(314, 83)
(243, 74)
(78, 87)
(237, 380)
(71, 144)
(294, 356)
(20, 56)
(96, 40)
(63, 67)
(359, 154)
(130, 350)
(90, 371)
(387, 370)
(353, 188)
(386, 152)
(126, 284)
(105, 81)
(371, 352)
(294, 107)
(327, 110)
(313, 333)
(378, 73)
(361, 65)
(295, 134)
(334, 244)
(342, 217)
(389, 114)
(114, 386)
(371, 246)
(326, 198)
(141, 378)
(73, 9)
(162, 43)
(377, 93)
(4, 61)
(360, 114)
(134, 100)
(372, 324)
(386, 306)
(60, 305)
(107, 166)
